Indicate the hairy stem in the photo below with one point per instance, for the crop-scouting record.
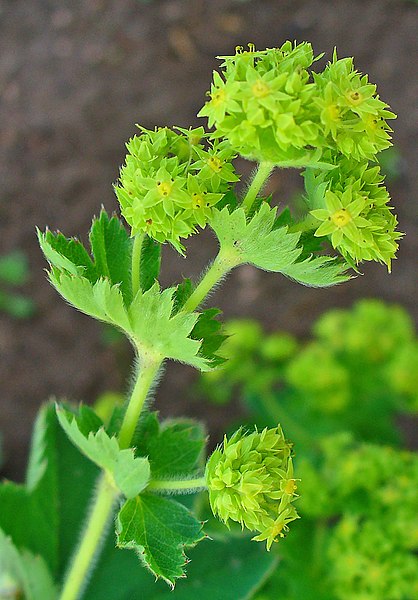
(222, 264)
(258, 181)
(146, 375)
(136, 263)
(93, 535)
(181, 484)
(106, 495)
(148, 369)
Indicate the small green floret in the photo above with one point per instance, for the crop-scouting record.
(170, 182)
(250, 480)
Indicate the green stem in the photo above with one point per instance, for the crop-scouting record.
(106, 495)
(100, 515)
(180, 484)
(222, 264)
(136, 263)
(259, 179)
(149, 366)
(147, 374)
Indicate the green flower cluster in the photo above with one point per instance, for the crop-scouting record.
(245, 348)
(378, 335)
(371, 332)
(325, 389)
(351, 112)
(364, 564)
(360, 368)
(372, 549)
(271, 107)
(170, 182)
(250, 481)
(352, 206)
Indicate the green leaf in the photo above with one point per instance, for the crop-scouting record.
(208, 330)
(100, 300)
(159, 530)
(57, 248)
(319, 271)
(51, 505)
(28, 519)
(227, 569)
(131, 475)
(22, 573)
(176, 448)
(112, 250)
(150, 263)
(255, 241)
(96, 445)
(154, 327)
(183, 292)
(259, 243)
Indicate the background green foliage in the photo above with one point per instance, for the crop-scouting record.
(13, 274)
(337, 397)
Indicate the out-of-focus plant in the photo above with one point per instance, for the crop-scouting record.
(338, 397)
(13, 274)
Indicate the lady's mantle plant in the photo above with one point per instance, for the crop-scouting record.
(270, 107)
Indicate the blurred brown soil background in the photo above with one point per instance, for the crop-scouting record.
(74, 78)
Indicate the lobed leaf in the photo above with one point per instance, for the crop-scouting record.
(23, 574)
(51, 505)
(100, 300)
(155, 327)
(131, 475)
(158, 529)
(112, 249)
(174, 448)
(208, 330)
(260, 242)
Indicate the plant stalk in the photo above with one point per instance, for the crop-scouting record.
(93, 535)
(106, 495)
(181, 484)
(261, 175)
(146, 375)
(222, 264)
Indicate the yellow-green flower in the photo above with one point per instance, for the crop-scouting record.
(351, 113)
(351, 203)
(261, 103)
(251, 481)
(341, 218)
(170, 182)
(272, 107)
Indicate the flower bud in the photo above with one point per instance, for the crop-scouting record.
(250, 481)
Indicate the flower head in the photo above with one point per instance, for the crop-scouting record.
(261, 102)
(272, 107)
(250, 480)
(352, 115)
(170, 182)
(351, 203)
